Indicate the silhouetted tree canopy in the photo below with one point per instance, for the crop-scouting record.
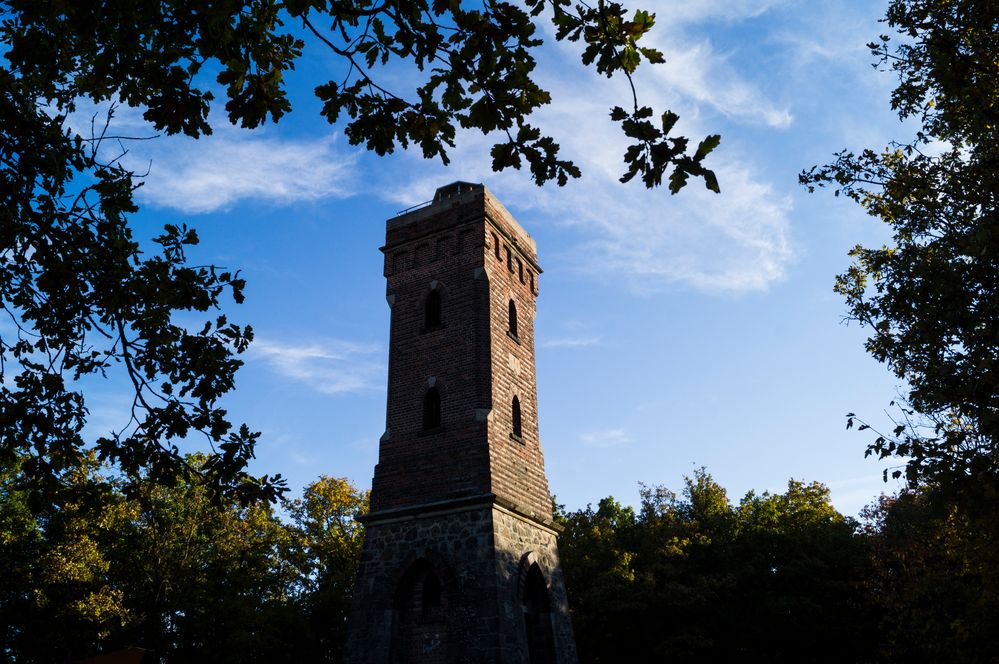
(694, 578)
(934, 582)
(689, 577)
(930, 298)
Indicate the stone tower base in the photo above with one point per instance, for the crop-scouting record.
(471, 581)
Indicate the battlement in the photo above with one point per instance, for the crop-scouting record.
(452, 205)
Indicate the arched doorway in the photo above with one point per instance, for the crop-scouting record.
(538, 617)
(420, 612)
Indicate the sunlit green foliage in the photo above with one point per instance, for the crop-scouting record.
(326, 551)
(173, 570)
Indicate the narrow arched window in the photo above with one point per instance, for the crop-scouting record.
(431, 409)
(432, 310)
(513, 319)
(517, 429)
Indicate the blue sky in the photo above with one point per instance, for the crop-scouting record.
(673, 331)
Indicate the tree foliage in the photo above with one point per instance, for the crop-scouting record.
(173, 570)
(327, 552)
(80, 294)
(778, 577)
(931, 301)
(931, 296)
(934, 582)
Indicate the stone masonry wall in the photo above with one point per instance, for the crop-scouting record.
(479, 554)
(459, 547)
(520, 542)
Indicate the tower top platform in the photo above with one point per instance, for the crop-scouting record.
(457, 195)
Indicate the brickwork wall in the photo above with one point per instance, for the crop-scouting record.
(479, 262)
(417, 466)
(517, 470)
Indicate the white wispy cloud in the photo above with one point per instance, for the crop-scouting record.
(331, 366)
(697, 11)
(107, 412)
(837, 32)
(853, 494)
(827, 66)
(697, 77)
(214, 172)
(288, 446)
(605, 438)
(735, 242)
(700, 75)
(571, 342)
(806, 48)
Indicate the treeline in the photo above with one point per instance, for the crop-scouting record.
(171, 570)
(684, 577)
(781, 578)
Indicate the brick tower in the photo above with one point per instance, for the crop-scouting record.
(460, 561)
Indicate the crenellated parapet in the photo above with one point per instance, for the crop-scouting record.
(462, 217)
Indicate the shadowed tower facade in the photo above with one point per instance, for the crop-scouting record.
(460, 562)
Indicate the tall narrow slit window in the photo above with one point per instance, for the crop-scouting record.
(517, 428)
(432, 318)
(431, 409)
(513, 319)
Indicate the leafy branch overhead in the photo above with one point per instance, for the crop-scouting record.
(83, 298)
(478, 66)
